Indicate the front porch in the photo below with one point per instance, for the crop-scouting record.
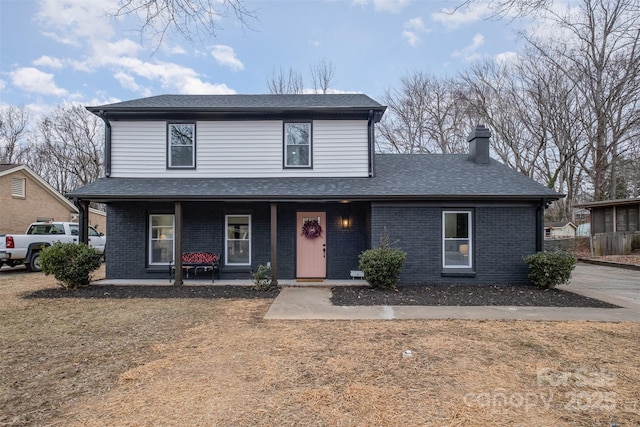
(145, 235)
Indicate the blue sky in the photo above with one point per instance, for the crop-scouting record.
(59, 51)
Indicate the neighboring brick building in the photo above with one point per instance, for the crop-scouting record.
(27, 198)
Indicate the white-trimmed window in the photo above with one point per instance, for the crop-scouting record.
(297, 145)
(19, 187)
(161, 239)
(238, 239)
(457, 239)
(181, 145)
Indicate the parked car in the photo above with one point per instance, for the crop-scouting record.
(17, 249)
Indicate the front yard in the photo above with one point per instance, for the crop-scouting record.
(202, 362)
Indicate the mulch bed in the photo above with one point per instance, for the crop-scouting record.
(155, 292)
(464, 295)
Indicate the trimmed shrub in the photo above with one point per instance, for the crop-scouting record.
(549, 269)
(262, 278)
(70, 263)
(382, 265)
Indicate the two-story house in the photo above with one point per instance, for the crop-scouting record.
(294, 180)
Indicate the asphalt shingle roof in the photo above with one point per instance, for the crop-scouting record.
(245, 102)
(398, 177)
(8, 166)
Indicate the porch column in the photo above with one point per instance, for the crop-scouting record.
(178, 243)
(83, 221)
(274, 243)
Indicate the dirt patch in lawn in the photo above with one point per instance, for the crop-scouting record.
(199, 361)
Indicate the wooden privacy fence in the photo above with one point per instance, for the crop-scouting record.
(620, 243)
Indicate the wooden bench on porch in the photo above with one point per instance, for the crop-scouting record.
(197, 261)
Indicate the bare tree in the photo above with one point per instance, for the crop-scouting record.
(509, 8)
(282, 82)
(69, 148)
(194, 20)
(425, 114)
(603, 59)
(14, 130)
(322, 75)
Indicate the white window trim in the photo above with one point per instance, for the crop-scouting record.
(19, 187)
(309, 144)
(470, 239)
(193, 146)
(226, 239)
(150, 239)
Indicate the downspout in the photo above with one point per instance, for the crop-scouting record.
(107, 143)
(371, 142)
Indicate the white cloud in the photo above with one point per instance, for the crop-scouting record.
(105, 54)
(507, 58)
(469, 53)
(412, 28)
(226, 57)
(33, 80)
(173, 77)
(195, 86)
(48, 61)
(76, 20)
(454, 18)
(83, 24)
(412, 38)
(175, 50)
(314, 43)
(126, 81)
(3, 84)
(391, 6)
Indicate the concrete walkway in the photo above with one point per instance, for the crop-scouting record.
(610, 284)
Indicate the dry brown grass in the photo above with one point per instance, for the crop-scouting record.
(215, 362)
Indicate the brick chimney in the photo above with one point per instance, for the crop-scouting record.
(479, 144)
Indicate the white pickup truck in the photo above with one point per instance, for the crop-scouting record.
(16, 249)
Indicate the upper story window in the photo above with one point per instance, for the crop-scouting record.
(457, 239)
(297, 145)
(181, 141)
(19, 187)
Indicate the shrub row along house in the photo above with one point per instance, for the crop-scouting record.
(294, 180)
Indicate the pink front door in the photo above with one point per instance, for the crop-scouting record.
(311, 246)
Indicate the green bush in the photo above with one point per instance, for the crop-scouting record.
(262, 278)
(382, 265)
(70, 263)
(549, 269)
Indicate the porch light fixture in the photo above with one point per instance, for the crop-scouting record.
(346, 222)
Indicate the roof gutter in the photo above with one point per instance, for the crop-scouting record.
(107, 141)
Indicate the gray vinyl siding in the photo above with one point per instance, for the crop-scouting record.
(239, 149)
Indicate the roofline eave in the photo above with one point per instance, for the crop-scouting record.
(101, 198)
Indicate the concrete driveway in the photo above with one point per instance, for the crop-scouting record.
(611, 284)
(616, 285)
